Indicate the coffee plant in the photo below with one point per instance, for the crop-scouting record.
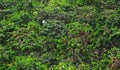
(59, 35)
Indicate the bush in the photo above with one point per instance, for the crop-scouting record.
(60, 35)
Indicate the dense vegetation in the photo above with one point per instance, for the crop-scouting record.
(59, 34)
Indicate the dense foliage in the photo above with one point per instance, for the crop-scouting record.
(59, 34)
